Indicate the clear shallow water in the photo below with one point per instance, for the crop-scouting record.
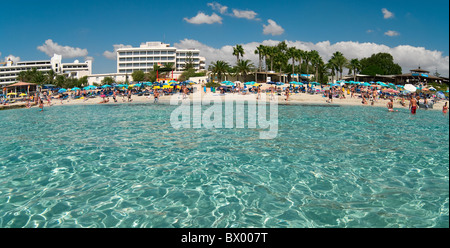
(125, 166)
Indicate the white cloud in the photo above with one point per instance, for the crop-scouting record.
(113, 55)
(392, 33)
(201, 18)
(12, 58)
(50, 48)
(370, 31)
(408, 57)
(387, 14)
(272, 28)
(247, 14)
(218, 7)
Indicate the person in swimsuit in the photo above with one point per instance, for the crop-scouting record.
(156, 95)
(445, 108)
(390, 106)
(287, 93)
(41, 105)
(413, 105)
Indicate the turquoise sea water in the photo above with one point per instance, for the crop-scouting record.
(125, 166)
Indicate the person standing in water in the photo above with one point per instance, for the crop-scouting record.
(413, 105)
(445, 108)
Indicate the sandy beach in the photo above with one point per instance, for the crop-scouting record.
(294, 99)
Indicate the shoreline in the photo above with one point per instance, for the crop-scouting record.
(294, 99)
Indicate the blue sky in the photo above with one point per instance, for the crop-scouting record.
(89, 28)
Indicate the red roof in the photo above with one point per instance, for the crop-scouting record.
(20, 84)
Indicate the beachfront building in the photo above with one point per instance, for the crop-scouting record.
(149, 54)
(10, 70)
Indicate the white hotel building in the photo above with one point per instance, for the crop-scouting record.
(149, 54)
(10, 70)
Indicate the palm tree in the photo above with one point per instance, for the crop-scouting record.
(219, 68)
(260, 51)
(51, 76)
(299, 57)
(307, 57)
(332, 66)
(316, 60)
(244, 67)
(238, 51)
(355, 67)
(292, 52)
(340, 61)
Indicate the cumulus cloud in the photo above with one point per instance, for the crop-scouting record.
(408, 57)
(113, 55)
(50, 48)
(247, 14)
(12, 58)
(272, 28)
(387, 14)
(218, 7)
(202, 18)
(392, 33)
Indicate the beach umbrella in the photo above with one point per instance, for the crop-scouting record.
(400, 86)
(256, 85)
(156, 87)
(11, 94)
(441, 95)
(106, 86)
(432, 88)
(410, 88)
(249, 83)
(62, 90)
(230, 83)
(23, 94)
(90, 87)
(76, 88)
(366, 84)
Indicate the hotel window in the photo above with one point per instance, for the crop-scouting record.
(182, 54)
(129, 53)
(150, 64)
(163, 52)
(121, 53)
(156, 52)
(149, 59)
(157, 58)
(150, 52)
(143, 65)
(143, 53)
(136, 59)
(135, 53)
(163, 58)
(142, 59)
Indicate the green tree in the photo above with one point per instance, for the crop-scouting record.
(380, 63)
(138, 76)
(108, 80)
(238, 51)
(260, 51)
(340, 61)
(354, 67)
(219, 68)
(244, 67)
